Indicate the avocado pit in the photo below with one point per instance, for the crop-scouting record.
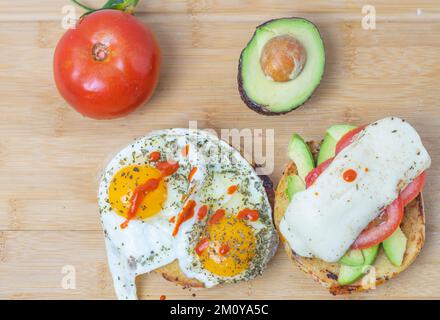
(282, 58)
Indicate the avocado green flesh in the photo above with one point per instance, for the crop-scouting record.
(339, 130)
(333, 135)
(294, 185)
(395, 247)
(349, 274)
(353, 258)
(370, 254)
(281, 97)
(300, 153)
(327, 149)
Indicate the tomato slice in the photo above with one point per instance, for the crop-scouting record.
(412, 190)
(315, 173)
(347, 139)
(382, 227)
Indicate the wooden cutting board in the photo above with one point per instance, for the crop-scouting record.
(50, 155)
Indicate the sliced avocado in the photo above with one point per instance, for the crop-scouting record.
(370, 254)
(269, 87)
(339, 130)
(294, 185)
(353, 258)
(327, 149)
(349, 274)
(333, 135)
(300, 153)
(395, 247)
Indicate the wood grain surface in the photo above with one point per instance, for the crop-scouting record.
(50, 156)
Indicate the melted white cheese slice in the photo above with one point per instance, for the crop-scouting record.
(325, 219)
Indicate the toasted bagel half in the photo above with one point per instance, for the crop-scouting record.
(413, 226)
(172, 271)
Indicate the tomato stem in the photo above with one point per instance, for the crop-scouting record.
(83, 5)
(100, 52)
(122, 5)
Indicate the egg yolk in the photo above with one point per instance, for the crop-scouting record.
(125, 182)
(230, 247)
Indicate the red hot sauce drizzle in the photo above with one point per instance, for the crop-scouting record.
(349, 175)
(184, 215)
(224, 250)
(201, 246)
(217, 216)
(251, 215)
(154, 156)
(203, 210)
(138, 195)
(192, 173)
(185, 150)
(232, 189)
(166, 168)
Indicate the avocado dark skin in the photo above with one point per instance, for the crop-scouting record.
(268, 186)
(261, 109)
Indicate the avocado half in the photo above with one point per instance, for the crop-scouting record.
(258, 89)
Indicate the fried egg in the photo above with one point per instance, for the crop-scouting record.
(186, 195)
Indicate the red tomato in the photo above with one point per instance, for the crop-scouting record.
(315, 173)
(413, 189)
(108, 66)
(347, 139)
(382, 227)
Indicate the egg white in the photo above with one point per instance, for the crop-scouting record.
(231, 169)
(146, 245)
